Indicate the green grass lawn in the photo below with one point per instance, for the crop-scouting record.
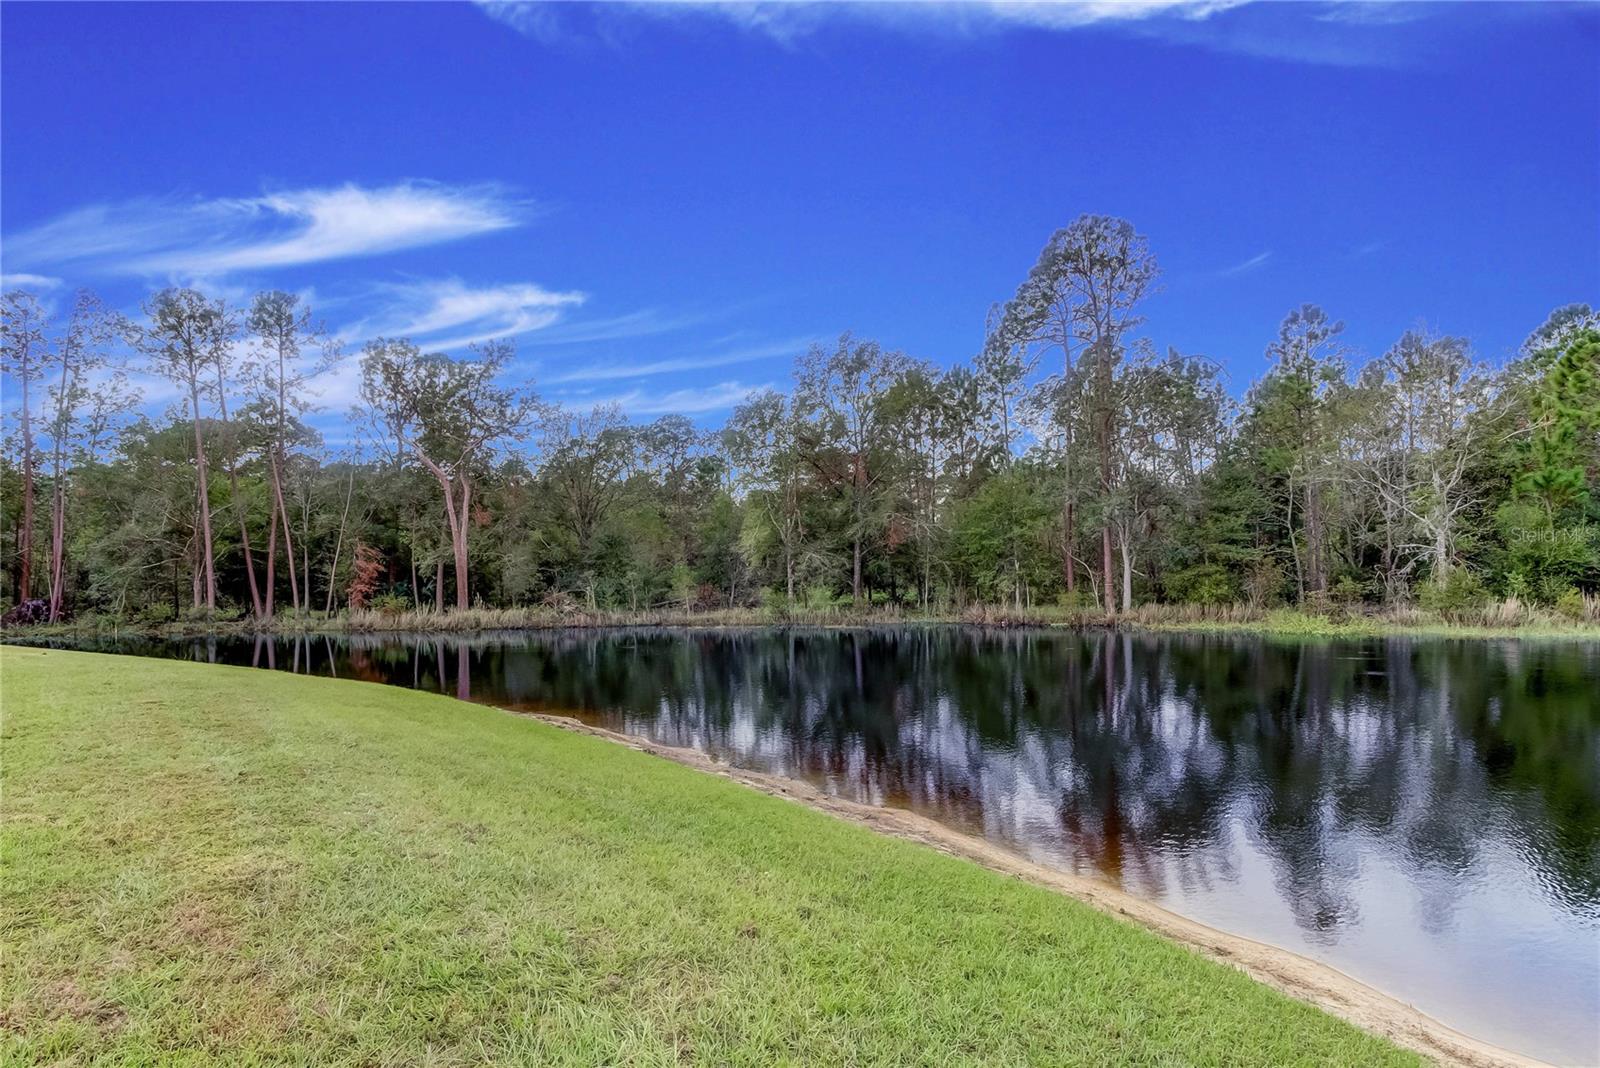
(208, 864)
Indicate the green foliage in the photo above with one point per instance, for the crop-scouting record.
(1564, 412)
(157, 614)
(1571, 604)
(389, 604)
(1540, 559)
(1203, 584)
(1460, 594)
(879, 480)
(997, 536)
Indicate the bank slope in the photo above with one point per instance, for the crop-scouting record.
(207, 864)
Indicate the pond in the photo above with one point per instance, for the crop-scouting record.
(1422, 814)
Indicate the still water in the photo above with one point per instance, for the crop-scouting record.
(1422, 814)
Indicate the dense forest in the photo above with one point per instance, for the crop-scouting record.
(1072, 461)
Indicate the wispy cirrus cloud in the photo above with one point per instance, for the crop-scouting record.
(1246, 266)
(604, 372)
(692, 400)
(28, 281)
(646, 322)
(200, 237)
(450, 314)
(1323, 32)
(786, 21)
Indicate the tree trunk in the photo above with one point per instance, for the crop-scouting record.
(457, 519)
(25, 577)
(58, 499)
(288, 535)
(459, 543)
(58, 525)
(232, 460)
(1294, 546)
(1106, 568)
(244, 541)
(204, 502)
(855, 568)
(1105, 488)
(1316, 573)
(338, 544)
(305, 563)
(1069, 535)
(194, 571)
(1127, 575)
(272, 561)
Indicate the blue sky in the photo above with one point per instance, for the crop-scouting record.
(663, 203)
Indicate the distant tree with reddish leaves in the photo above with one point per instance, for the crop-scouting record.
(365, 571)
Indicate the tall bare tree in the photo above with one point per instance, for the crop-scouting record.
(1433, 424)
(23, 350)
(290, 350)
(448, 414)
(763, 443)
(80, 352)
(1083, 296)
(586, 458)
(1308, 362)
(842, 391)
(186, 336)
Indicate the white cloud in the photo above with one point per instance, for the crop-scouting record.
(536, 20)
(692, 400)
(28, 281)
(449, 314)
(1375, 12)
(1248, 265)
(788, 20)
(439, 315)
(1334, 32)
(615, 371)
(214, 237)
(645, 322)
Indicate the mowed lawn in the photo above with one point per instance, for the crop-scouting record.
(223, 865)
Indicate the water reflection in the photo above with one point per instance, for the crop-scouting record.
(1422, 813)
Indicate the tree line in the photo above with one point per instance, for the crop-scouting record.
(1070, 461)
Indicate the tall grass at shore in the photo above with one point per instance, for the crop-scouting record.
(1577, 616)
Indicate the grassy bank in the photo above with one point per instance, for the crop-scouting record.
(1503, 619)
(209, 865)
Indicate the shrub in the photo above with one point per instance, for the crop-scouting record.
(1265, 583)
(775, 604)
(157, 614)
(28, 613)
(1460, 594)
(1347, 591)
(390, 604)
(821, 597)
(1078, 599)
(1574, 604)
(1202, 584)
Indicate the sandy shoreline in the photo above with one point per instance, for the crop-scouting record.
(1298, 976)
